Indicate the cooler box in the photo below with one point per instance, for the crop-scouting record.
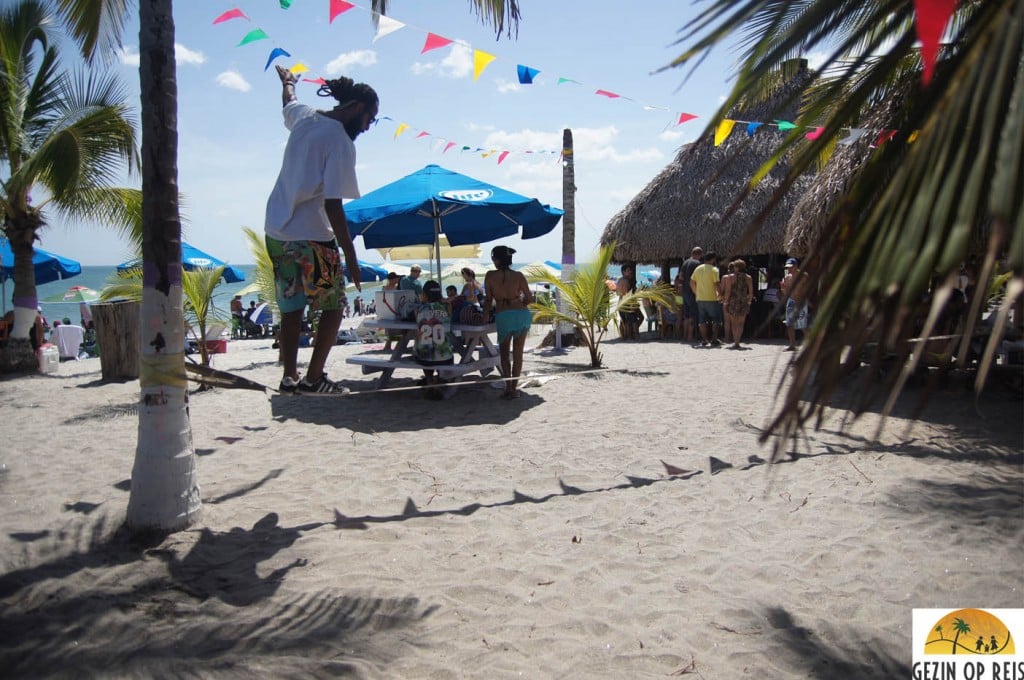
(217, 346)
(49, 359)
(391, 302)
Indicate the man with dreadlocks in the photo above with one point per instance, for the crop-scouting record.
(305, 222)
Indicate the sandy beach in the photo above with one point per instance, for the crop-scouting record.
(619, 524)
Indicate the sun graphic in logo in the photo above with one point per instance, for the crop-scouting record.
(969, 631)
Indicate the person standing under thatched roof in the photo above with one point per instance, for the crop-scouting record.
(794, 287)
(683, 288)
(706, 285)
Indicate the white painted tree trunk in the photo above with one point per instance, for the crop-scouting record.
(165, 489)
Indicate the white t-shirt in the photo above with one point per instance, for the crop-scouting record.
(319, 164)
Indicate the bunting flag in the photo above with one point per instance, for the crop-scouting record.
(913, 136)
(723, 130)
(606, 93)
(274, 54)
(386, 26)
(448, 146)
(339, 7)
(568, 80)
(884, 137)
(855, 134)
(814, 134)
(932, 17)
(752, 128)
(684, 117)
(315, 81)
(481, 60)
(299, 68)
(402, 127)
(526, 74)
(503, 156)
(253, 36)
(785, 125)
(423, 134)
(433, 42)
(230, 14)
(285, 4)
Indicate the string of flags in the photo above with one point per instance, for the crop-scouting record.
(932, 16)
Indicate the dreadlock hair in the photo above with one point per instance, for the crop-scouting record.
(345, 91)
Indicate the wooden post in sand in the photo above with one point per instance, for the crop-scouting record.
(117, 338)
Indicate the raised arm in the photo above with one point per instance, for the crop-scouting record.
(288, 80)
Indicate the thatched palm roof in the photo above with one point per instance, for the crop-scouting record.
(688, 203)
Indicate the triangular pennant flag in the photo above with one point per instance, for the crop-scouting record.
(285, 4)
(230, 14)
(433, 42)
(485, 155)
(253, 36)
(503, 156)
(315, 81)
(526, 74)
(448, 146)
(386, 26)
(274, 54)
(724, 128)
(339, 7)
(913, 136)
(855, 134)
(752, 128)
(606, 93)
(481, 60)
(785, 125)
(683, 117)
(884, 137)
(814, 134)
(465, 148)
(299, 68)
(402, 127)
(567, 80)
(423, 134)
(932, 17)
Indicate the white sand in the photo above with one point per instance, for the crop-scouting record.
(482, 538)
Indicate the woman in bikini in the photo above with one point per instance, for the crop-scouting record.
(737, 296)
(508, 294)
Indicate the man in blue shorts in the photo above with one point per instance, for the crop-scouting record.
(305, 222)
(706, 286)
(683, 288)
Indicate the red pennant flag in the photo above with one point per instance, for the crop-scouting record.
(931, 21)
(606, 93)
(814, 134)
(683, 117)
(434, 41)
(502, 157)
(884, 137)
(448, 146)
(230, 14)
(339, 7)
(315, 81)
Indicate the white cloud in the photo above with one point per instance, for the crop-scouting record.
(675, 136)
(458, 63)
(589, 144)
(128, 55)
(343, 63)
(506, 86)
(233, 80)
(184, 55)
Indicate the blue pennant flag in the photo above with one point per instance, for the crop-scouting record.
(526, 74)
(274, 54)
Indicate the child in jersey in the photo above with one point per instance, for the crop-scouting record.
(433, 345)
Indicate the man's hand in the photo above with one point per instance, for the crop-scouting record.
(287, 85)
(285, 75)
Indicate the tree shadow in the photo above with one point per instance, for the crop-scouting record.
(208, 611)
(831, 654)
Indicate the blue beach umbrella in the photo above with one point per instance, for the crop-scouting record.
(418, 208)
(368, 272)
(193, 258)
(48, 267)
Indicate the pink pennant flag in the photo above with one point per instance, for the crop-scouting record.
(503, 156)
(433, 42)
(315, 81)
(448, 146)
(339, 7)
(814, 134)
(684, 117)
(606, 93)
(423, 134)
(230, 14)
(932, 18)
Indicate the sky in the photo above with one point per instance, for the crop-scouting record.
(231, 135)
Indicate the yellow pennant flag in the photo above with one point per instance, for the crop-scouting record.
(724, 128)
(402, 127)
(913, 137)
(299, 68)
(481, 60)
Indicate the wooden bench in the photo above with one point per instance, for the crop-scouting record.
(386, 367)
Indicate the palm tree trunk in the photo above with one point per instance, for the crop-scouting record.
(165, 492)
(564, 333)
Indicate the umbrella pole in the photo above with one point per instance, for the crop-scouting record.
(437, 243)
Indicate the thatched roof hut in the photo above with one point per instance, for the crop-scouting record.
(688, 203)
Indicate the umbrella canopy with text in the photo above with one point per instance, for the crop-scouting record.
(418, 208)
(193, 258)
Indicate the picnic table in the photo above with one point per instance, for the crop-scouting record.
(477, 353)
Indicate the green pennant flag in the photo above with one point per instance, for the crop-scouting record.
(285, 4)
(785, 125)
(253, 36)
(567, 80)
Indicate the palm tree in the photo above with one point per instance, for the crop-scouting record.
(586, 301)
(915, 211)
(64, 138)
(938, 629)
(960, 626)
(165, 492)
